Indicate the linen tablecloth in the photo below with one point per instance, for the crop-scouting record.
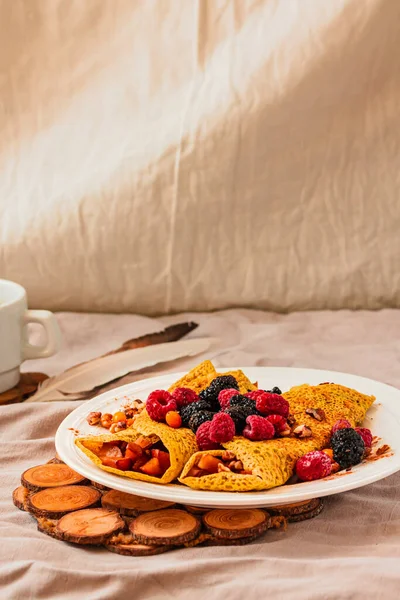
(351, 551)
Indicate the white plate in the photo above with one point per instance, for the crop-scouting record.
(383, 419)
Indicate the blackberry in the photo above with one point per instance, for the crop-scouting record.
(239, 415)
(243, 401)
(210, 394)
(348, 447)
(198, 418)
(187, 411)
(275, 390)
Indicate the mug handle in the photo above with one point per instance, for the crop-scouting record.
(53, 343)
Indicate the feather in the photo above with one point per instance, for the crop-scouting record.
(75, 382)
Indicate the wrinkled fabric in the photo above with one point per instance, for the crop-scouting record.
(157, 157)
(351, 551)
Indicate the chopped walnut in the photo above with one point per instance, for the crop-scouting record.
(237, 465)
(222, 467)
(117, 427)
(94, 418)
(316, 413)
(302, 431)
(291, 420)
(136, 408)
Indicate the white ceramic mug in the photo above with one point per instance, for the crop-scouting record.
(14, 343)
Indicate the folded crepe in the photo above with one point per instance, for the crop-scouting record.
(200, 377)
(180, 444)
(271, 463)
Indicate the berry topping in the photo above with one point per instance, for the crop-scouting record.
(159, 403)
(184, 396)
(223, 382)
(187, 411)
(198, 418)
(173, 419)
(341, 424)
(225, 395)
(279, 423)
(203, 437)
(366, 435)
(272, 404)
(222, 428)
(275, 390)
(258, 428)
(239, 400)
(239, 415)
(313, 465)
(348, 447)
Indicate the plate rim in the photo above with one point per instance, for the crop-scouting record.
(250, 499)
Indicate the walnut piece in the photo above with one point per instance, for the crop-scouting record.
(94, 418)
(316, 413)
(222, 467)
(302, 431)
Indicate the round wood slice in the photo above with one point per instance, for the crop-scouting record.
(48, 527)
(89, 526)
(20, 496)
(196, 510)
(306, 515)
(131, 505)
(295, 509)
(135, 549)
(50, 476)
(99, 486)
(170, 526)
(56, 502)
(235, 523)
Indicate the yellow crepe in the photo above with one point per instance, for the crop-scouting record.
(272, 462)
(180, 443)
(199, 378)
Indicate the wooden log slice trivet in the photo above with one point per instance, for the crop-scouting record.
(50, 476)
(295, 509)
(306, 515)
(131, 505)
(100, 486)
(56, 502)
(20, 497)
(169, 526)
(89, 526)
(236, 523)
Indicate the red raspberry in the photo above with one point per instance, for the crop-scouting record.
(222, 428)
(272, 404)
(278, 422)
(203, 437)
(313, 465)
(225, 395)
(255, 394)
(341, 424)
(258, 428)
(366, 436)
(159, 403)
(184, 396)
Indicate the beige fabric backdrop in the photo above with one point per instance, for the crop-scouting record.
(165, 155)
